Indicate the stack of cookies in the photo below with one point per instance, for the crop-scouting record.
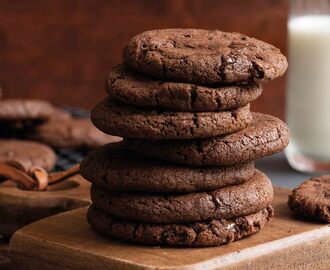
(184, 174)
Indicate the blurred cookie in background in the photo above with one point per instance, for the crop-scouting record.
(27, 154)
(61, 129)
(71, 133)
(18, 116)
(29, 109)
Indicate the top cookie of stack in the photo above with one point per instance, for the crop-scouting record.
(204, 56)
(195, 84)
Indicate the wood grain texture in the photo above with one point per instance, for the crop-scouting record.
(21, 207)
(62, 50)
(285, 243)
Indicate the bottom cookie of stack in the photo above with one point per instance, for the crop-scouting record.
(206, 233)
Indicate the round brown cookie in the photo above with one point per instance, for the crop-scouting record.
(203, 56)
(28, 154)
(25, 109)
(312, 198)
(59, 114)
(134, 122)
(71, 133)
(209, 233)
(19, 116)
(225, 203)
(113, 168)
(132, 88)
(266, 135)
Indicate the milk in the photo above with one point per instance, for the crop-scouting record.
(308, 97)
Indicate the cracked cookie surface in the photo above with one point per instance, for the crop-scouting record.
(224, 203)
(114, 168)
(209, 233)
(133, 122)
(312, 198)
(265, 136)
(203, 56)
(133, 88)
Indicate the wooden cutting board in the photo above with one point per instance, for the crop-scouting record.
(66, 241)
(21, 207)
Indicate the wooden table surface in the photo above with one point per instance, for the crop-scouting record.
(62, 50)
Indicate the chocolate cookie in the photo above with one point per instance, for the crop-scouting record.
(114, 168)
(312, 198)
(266, 135)
(71, 133)
(19, 116)
(225, 203)
(133, 122)
(203, 56)
(59, 114)
(132, 88)
(28, 154)
(208, 233)
(27, 109)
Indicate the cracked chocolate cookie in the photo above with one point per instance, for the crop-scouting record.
(133, 122)
(224, 203)
(203, 56)
(208, 233)
(114, 168)
(71, 133)
(132, 88)
(27, 153)
(266, 135)
(312, 198)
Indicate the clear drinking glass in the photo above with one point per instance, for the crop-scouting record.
(308, 88)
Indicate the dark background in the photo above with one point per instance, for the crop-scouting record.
(62, 50)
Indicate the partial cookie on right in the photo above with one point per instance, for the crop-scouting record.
(312, 198)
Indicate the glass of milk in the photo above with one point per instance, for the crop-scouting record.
(308, 85)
